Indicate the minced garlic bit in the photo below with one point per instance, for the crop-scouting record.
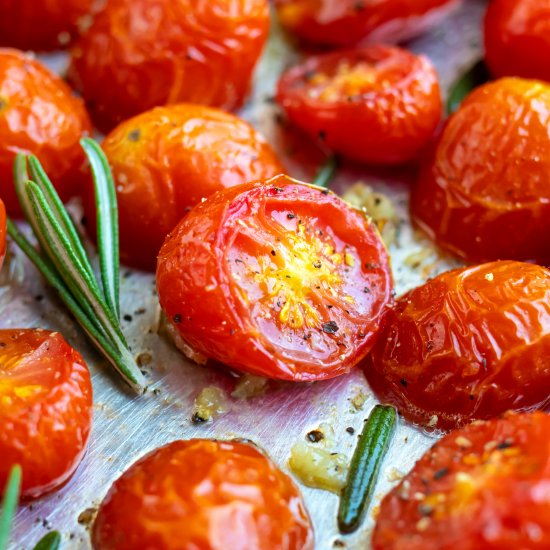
(209, 404)
(489, 277)
(249, 386)
(461, 441)
(358, 400)
(393, 474)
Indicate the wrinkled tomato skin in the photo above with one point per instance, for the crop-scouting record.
(43, 25)
(165, 161)
(3, 233)
(203, 495)
(483, 487)
(517, 38)
(38, 115)
(468, 344)
(276, 278)
(139, 54)
(484, 193)
(45, 409)
(348, 22)
(399, 102)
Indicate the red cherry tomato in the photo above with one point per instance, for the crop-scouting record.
(346, 22)
(484, 487)
(139, 54)
(167, 160)
(278, 279)
(377, 104)
(45, 409)
(517, 38)
(39, 115)
(471, 343)
(3, 232)
(203, 495)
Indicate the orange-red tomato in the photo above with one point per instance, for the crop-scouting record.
(45, 408)
(39, 115)
(517, 38)
(346, 22)
(484, 194)
(3, 231)
(469, 344)
(139, 54)
(166, 160)
(42, 25)
(484, 487)
(276, 278)
(377, 104)
(204, 495)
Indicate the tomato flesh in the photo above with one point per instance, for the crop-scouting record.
(3, 233)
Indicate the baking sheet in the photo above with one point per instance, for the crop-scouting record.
(126, 427)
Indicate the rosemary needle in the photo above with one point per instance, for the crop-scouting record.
(51, 541)
(326, 172)
(9, 504)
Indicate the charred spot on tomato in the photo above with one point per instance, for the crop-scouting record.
(134, 135)
(3, 103)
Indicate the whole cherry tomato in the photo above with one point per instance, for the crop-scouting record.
(167, 160)
(139, 54)
(347, 22)
(517, 38)
(43, 25)
(203, 495)
(484, 487)
(376, 104)
(276, 278)
(39, 115)
(45, 409)
(471, 343)
(3, 231)
(484, 193)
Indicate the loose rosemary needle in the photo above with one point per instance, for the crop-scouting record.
(9, 504)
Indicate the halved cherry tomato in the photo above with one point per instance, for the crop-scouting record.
(45, 408)
(517, 38)
(167, 160)
(377, 104)
(3, 232)
(471, 343)
(39, 115)
(139, 54)
(206, 495)
(484, 193)
(276, 278)
(484, 487)
(346, 22)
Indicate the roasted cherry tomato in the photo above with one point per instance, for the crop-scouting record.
(484, 194)
(346, 22)
(166, 160)
(43, 25)
(278, 279)
(142, 53)
(471, 343)
(203, 495)
(39, 115)
(484, 487)
(377, 104)
(45, 408)
(3, 231)
(517, 38)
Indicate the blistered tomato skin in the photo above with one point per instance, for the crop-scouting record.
(483, 487)
(204, 495)
(468, 344)
(517, 38)
(140, 54)
(45, 409)
(3, 233)
(167, 160)
(276, 278)
(484, 192)
(391, 92)
(347, 22)
(39, 115)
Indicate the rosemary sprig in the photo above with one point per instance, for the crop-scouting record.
(9, 504)
(474, 76)
(50, 541)
(326, 172)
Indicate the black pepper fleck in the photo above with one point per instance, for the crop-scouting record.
(330, 328)
(315, 436)
(177, 318)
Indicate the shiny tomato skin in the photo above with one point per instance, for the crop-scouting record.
(167, 160)
(139, 54)
(336, 97)
(517, 38)
(484, 192)
(276, 278)
(45, 408)
(468, 344)
(3, 233)
(203, 495)
(483, 487)
(39, 115)
(348, 22)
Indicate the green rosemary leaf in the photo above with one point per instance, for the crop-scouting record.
(326, 172)
(9, 504)
(473, 77)
(51, 541)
